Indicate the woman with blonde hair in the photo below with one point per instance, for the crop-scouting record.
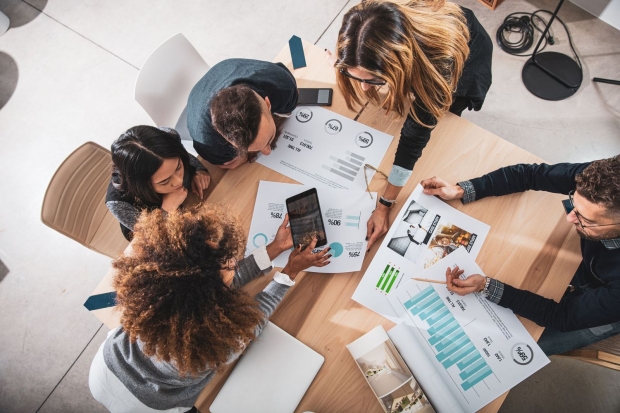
(184, 314)
(416, 58)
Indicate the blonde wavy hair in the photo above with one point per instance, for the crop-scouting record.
(418, 47)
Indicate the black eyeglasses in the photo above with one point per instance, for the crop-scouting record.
(373, 82)
(570, 207)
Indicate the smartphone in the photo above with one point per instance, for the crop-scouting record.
(568, 207)
(306, 220)
(315, 97)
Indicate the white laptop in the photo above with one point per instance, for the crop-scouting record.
(272, 375)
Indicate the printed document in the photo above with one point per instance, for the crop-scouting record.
(320, 148)
(425, 232)
(344, 215)
(479, 349)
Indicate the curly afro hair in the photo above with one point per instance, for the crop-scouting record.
(171, 293)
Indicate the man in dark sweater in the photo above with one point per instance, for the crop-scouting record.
(589, 311)
(230, 111)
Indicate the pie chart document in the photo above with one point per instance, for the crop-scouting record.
(320, 148)
(344, 213)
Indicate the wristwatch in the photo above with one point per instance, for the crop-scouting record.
(485, 290)
(387, 202)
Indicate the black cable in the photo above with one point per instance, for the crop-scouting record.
(522, 23)
(526, 24)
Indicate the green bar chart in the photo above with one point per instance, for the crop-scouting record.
(388, 278)
(452, 345)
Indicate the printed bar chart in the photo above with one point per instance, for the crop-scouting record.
(448, 338)
(388, 278)
(353, 220)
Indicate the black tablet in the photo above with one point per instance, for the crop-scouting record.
(304, 213)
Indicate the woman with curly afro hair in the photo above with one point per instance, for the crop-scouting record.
(184, 316)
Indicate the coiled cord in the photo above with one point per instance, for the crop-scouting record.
(525, 24)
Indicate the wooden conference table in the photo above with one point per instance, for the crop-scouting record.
(530, 245)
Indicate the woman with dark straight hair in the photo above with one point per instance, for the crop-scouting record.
(151, 169)
(419, 58)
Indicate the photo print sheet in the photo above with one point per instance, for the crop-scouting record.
(345, 214)
(320, 148)
(426, 231)
(480, 350)
(388, 375)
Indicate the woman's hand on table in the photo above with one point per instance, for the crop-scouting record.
(377, 225)
(200, 183)
(282, 242)
(442, 189)
(472, 284)
(173, 200)
(301, 260)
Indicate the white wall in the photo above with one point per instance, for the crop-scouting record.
(606, 10)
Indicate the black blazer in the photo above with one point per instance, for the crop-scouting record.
(599, 269)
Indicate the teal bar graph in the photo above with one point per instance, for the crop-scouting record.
(447, 337)
(419, 297)
(436, 338)
(473, 369)
(440, 326)
(437, 305)
(469, 348)
(424, 304)
(467, 361)
(477, 378)
(438, 316)
(460, 337)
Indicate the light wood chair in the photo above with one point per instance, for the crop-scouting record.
(165, 82)
(74, 202)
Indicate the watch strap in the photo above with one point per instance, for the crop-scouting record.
(387, 202)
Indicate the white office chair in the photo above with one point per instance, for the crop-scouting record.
(165, 82)
(5, 23)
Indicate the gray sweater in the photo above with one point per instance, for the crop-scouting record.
(158, 384)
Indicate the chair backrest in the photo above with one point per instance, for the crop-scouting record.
(167, 78)
(74, 202)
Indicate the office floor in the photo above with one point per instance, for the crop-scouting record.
(67, 71)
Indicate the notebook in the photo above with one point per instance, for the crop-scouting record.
(272, 375)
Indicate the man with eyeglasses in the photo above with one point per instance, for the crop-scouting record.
(234, 111)
(589, 311)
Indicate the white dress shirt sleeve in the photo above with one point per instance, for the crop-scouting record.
(264, 263)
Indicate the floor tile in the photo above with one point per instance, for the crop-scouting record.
(73, 393)
(219, 30)
(68, 91)
(581, 128)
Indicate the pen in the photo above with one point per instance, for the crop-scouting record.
(429, 281)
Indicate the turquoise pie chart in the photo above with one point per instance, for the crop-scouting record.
(336, 249)
(259, 240)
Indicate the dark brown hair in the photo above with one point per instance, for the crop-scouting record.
(171, 294)
(418, 48)
(138, 153)
(236, 113)
(599, 183)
